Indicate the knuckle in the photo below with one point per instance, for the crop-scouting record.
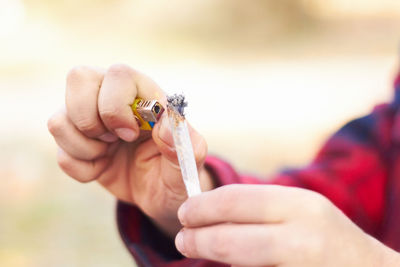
(226, 199)
(67, 165)
(220, 245)
(56, 123)
(121, 69)
(318, 204)
(64, 163)
(86, 125)
(79, 73)
(111, 114)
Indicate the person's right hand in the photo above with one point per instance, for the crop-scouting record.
(100, 140)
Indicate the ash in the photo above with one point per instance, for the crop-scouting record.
(178, 103)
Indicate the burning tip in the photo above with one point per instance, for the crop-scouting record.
(178, 103)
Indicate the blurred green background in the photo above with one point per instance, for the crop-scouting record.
(267, 81)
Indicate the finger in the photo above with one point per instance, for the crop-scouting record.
(239, 244)
(83, 84)
(120, 87)
(243, 204)
(82, 170)
(72, 140)
(162, 136)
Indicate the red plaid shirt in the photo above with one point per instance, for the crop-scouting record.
(358, 169)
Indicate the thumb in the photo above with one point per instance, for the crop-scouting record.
(163, 138)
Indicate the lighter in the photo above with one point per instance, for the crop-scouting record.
(147, 112)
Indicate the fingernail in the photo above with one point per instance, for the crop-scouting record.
(126, 134)
(108, 137)
(165, 131)
(179, 242)
(181, 213)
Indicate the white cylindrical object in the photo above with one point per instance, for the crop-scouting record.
(184, 150)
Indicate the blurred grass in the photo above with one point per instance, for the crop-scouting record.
(49, 219)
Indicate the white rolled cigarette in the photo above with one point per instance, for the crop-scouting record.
(183, 144)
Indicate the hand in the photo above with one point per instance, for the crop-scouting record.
(267, 225)
(100, 140)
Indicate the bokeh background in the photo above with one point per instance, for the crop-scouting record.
(267, 82)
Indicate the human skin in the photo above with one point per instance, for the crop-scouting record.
(99, 140)
(270, 225)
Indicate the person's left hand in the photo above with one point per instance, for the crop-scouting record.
(269, 225)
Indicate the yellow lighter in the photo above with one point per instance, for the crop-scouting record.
(147, 112)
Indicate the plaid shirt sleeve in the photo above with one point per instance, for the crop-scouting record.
(351, 170)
